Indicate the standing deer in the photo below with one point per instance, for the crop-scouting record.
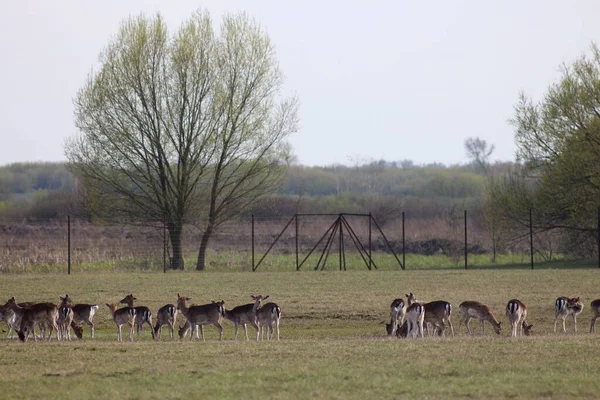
(563, 307)
(198, 316)
(267, 315)
(143, 315)
(8, 316)
(65, 317)
(122, 316)
(36, 314)
(415, 315)
(437, 313)
(397, 314)
(516, 312)
(246, 314)
(474, 309)
(166, 315)
(596, 310)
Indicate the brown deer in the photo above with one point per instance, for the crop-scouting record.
(166, 315)
(415, 315)
(516, 312)
(565, 306)
(246, 314)
(9, 317)
(143, 315)
(198, 316)
(65, 317)
(83, 313)
(397, 314)
(596, 310)
(122, 316)
(268, 315)
(474, 309)
(436, 314)
(401, 331)
(36, 314)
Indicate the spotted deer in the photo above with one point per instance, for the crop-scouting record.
(36, 314)
(65, 317)
(397, 314)
(83, 313)
(268, 315)
(143, 315)
(246, 314)
(474, 309)
(122, 316)
(166, 315)
(8, 316)
(437, 314)
(596, 311)
(401, 331)
(565, 306)
(198, 316)
(516, 312)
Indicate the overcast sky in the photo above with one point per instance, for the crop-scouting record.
(376, 79)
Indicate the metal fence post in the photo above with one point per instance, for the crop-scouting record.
(165, 245)
(531, 235)
(68, 245)
(466, 248)
(252, 242)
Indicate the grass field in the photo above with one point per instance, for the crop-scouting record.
(333, 343)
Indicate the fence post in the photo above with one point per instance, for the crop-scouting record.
(68, 245)
(531, 235)
(598, 235)
(370, 244)
(403, 243)
(466, 249)
(165, 244)
(252, 242)
(297, 242)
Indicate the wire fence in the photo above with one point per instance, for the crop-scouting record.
(299, 242)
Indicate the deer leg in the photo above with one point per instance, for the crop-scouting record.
(118, 333)
(481, 322)
(202, 332)
(131, 331)
(220, 328)
(593, 324)
(236, 331)
(564, 327)
(575, 322)
(246, 331)
(468, 319)
(255, 325)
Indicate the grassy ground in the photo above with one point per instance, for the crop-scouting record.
(333, 343)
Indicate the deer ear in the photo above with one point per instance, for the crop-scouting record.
(253, 297)
(188, 298)
(266, 297)
(61, 298)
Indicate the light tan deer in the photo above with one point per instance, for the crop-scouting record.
(122, 316)
(84, 313)
(397, 314)
(246, 314)
(8, 316)
(474, 309)
(268, 315)
(36, 314)
(166, 315)
(65, 317)
(516, 312)
(565, 306)
(415, 315)
(596, 311)
(143, 315)
(198, 316)
(437, 314)
(66, 301)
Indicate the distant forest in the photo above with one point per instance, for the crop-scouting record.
(48, 190)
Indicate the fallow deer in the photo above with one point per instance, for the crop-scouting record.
(122, 316)
(268, 315)
(143, 315)
(8, 316)
(397, 314)
(198, 316)
(36, 314)
(565, 306)
(401, 331)
(166, 315)
(415, 315)
(65, 317)
(437, 313)
(474, 309)
(516, 312)
(596, 311)
(246, 314)
(84, 313)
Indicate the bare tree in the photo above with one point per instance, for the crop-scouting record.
(161, 112)
(479, 152)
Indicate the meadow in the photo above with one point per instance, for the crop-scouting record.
(333, 342)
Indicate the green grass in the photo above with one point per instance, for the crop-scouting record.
(333, 343)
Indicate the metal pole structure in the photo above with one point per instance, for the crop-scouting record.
(370, 244)
(598, 234)
(68, 245)
(466, 248)
(340, 245)
(531, 235)
(297, 242)
(165, 244)
(252, 242)
(403, 242)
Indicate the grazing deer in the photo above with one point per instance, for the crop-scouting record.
(166, 315)
(415, 315)
(474, 309)
(122, 316)
(437, 313)
(81, 313)
(516, 312)
(36, 314)
(246, 314)
(267, 315)
(143, 315)
(401, 331)
(596, 310)
(198, 316)
(563, 307)
(397, 314)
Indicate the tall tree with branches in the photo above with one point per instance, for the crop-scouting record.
(166, 117)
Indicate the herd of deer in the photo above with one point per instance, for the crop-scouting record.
(24, 317)
(408, 319)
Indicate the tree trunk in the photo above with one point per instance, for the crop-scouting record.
(176, 244)
(201, 263)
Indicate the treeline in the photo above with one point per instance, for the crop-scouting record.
(47, 190)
